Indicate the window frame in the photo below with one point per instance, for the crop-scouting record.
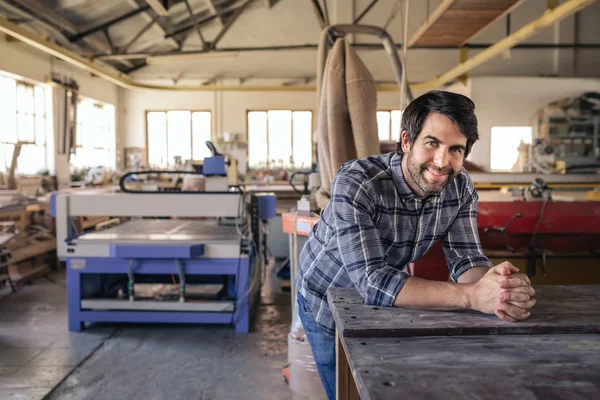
(504, 170)
(48, 131)
(293, 110)
(191, 111)
(389, 110)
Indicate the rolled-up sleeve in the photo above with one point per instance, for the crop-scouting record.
(359, 241)
(461, 244)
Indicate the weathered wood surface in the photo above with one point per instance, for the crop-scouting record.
(476, 367)
(559, 309)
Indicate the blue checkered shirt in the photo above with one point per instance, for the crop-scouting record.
(374, 226)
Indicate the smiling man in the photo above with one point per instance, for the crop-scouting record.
(387, 211)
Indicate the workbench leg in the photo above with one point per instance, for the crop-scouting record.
(242, 315)
(74, 299)
(344, 381)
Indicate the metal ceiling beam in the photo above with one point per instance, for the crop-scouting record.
(48, 16)
(107, 24)
(72, 58)
(188, 27)
(158, 7)
(213, 9)
(195, 19)
(365, 11)
(139, 34)
(149, 16)
(228, 24)
(188, 23)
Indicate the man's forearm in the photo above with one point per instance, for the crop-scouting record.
(473, 275)
(433, 295)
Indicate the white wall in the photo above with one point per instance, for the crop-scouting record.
(228, 109)
(512, 101)
(23, 60)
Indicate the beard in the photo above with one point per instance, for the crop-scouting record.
(428, 186)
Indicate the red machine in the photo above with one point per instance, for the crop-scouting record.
(535, 230)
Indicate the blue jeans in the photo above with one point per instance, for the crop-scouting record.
(323, 347)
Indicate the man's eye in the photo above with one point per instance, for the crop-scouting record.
(431, 143)
(456, 151)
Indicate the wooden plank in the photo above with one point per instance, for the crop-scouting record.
(32, 250)
(559, 309)
(345, 386)
(454, 23)
(476, 367)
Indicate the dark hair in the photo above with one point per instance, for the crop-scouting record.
(458, 108)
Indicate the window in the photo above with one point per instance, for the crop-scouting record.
(24, 108)
(505, 144)
(173, 134)
(388, 125)
(95, 135)
(280, 139)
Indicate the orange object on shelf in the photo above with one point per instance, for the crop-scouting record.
(300, 225)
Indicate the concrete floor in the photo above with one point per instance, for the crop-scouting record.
(40, 359)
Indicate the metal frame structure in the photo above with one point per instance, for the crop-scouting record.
(227, 12)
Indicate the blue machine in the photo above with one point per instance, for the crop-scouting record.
(159, 245)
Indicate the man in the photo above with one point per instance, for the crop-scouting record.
(386, 211)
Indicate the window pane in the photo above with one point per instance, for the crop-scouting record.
(32, 159)
(505, 142)
(179, 136)
(280, 137)
(302, 139)
(396, 124)
(200, 134)
(40, 101)
(157, 138)
(383, 125)
(25, 128)
(8, 109)
(257, 139)
(40, 131)
(84, 123)
(6, 153)
(25, 103)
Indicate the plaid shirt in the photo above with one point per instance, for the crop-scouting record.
(374, 226)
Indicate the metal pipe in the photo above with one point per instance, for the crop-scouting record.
(550, 17)
(404, 84)
(358, 46)
(319, 13)
(365, 11)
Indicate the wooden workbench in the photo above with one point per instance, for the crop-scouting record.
(391, 353)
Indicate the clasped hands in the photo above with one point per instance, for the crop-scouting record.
(503, 291)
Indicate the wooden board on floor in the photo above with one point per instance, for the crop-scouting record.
(559, 309)
(477, 367)
(23, 275)
(32, 250)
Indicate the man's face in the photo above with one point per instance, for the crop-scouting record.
(435, 157)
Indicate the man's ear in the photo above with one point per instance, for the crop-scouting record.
(406, 145)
